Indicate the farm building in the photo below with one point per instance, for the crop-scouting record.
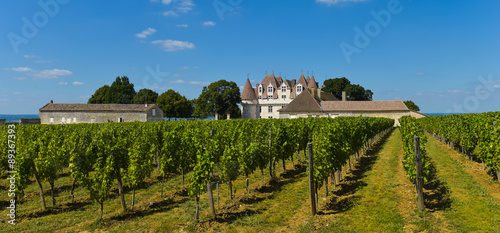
(311, 104)
(98, 113)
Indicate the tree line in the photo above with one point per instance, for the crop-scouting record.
(219, 97)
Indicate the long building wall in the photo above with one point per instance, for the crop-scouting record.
(94, 117)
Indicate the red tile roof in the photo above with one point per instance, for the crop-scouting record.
(305, 102)
(51, 107)
(393, 105)
(248, 92)
(311, 83)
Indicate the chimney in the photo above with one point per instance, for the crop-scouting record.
(229, 116)
(344, 96)
(216, 116)
(146, 105)
(51, 101)
(319, 93)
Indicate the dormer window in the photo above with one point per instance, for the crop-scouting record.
(260, 89)
(283, 89)
(269, 89)
(299, 89)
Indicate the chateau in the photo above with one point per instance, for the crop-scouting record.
(273, 93)
(278, 98)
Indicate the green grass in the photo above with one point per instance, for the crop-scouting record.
(472, 208)
(373, 207)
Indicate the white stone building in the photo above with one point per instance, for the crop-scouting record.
(98, 113)
(272, 94)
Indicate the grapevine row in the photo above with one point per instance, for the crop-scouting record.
(101, 155)
(410, 127)
(465, 132)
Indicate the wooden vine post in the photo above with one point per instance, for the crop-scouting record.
(420, 183)
(312, 189)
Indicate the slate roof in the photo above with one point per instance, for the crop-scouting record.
(51, 107)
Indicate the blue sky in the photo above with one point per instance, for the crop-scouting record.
(443, 55)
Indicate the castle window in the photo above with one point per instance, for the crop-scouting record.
(270, 109)
(260, 89)
(260, 109)
(51, 120)
(270, 117)
(260, 97)
(269, 89)
(299, 89)
(283, 89)
(283, 96)
(154, 112)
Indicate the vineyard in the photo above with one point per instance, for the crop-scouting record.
(187, 161)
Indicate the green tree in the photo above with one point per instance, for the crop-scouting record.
(336, 86)
(411, 105)
(174, 105)
(220, 97)
(353, 91)
(145, 96)
(99, 97)
(121, 91)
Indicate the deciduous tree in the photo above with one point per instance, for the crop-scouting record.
(220, 97)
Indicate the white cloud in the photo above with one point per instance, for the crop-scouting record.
(453, 91)
(169, 13)
(334, 2)
(190, 82)
(177, 6)
(146, 33)
(21, 69)
(185, 6)
(54, 73)
(209, 23)
(182, 25)
(496, 86)
(29, 56)
(16, 93)
(174, 45)
(63, 83)
(419, 73)
(78, 83)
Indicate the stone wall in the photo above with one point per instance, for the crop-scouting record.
(90, 117)
(249, 109)
(387, 114)
(29, 121)
(99, 117)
